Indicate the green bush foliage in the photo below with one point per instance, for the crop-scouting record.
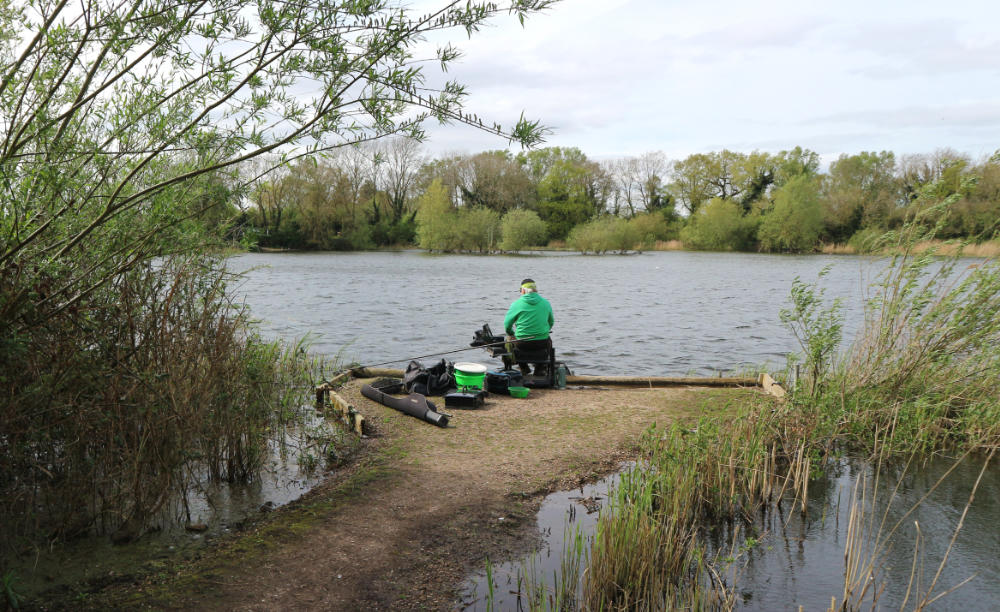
(596, 236)
(648, 228)
(795, 221)
(521, 228)
(719, 226)
(126, 373)
(478, 230)
(111, 412)
(437, 220)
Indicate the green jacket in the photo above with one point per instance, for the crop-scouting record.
(531, 316)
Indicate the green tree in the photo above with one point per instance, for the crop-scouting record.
(719, 226)
(795, 162)
(114, 116)
(977, 214)
(565, 198)
(494, 179)
(106, 108)
(690, 182)
(860, 191)
(539, 162)
(728, 175)
(795, 221)
(437, 220)
(521, 228)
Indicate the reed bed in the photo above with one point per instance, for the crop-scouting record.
(989, 249)
(668, 245)
(648, 550)
(835, 248)
(119, 408)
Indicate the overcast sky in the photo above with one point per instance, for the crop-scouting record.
(624, 77)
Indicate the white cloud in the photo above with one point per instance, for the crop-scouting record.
(622, 77)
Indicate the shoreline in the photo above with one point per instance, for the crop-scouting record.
(423, 507)
(944, 248)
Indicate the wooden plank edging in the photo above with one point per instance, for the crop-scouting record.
(662, 381)
(628, 381)
(770, 386)
(348, 413)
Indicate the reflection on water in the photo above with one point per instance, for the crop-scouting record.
(184, 527)
(798, 560)
(559, 517)
(661, 313)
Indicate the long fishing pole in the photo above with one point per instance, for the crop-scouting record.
(468, 348)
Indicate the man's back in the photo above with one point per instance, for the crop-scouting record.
(530, 316)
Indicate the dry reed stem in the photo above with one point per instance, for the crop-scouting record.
(837, 249)
(668, 245)
(958, 528)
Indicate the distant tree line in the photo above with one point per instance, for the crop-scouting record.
(393, 194)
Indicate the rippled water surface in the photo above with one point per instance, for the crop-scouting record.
(663, 313)
(909, 523)
(669, 313)
(797, 559)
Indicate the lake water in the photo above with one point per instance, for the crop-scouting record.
(661, 313)
(658, 313)
(798, 559)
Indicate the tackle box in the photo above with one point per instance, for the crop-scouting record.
(465, 399)
(498, 381)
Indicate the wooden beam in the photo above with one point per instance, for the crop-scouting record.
(376, 373)
(622, 381)
(661, 381)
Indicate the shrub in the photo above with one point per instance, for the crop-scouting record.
(719, 226)
(795, 221)
(649, 228)
(521, 228)
(478, 229)
(596, 236)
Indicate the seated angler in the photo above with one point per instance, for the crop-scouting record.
(527, 325)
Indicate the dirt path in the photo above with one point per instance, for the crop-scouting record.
(422, 507)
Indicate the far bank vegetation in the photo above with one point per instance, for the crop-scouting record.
(392, 194)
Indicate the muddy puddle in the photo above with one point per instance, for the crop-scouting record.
(563, 517)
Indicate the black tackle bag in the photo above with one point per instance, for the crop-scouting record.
(435, 380)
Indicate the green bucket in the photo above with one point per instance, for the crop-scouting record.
(469, 375)
(518, 391)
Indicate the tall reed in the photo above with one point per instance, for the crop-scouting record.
(115, 409)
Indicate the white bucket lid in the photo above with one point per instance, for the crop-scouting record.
(470, 368)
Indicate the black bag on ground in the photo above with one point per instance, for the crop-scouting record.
(435, 380)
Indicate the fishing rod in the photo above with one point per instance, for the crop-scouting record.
(468, 348)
